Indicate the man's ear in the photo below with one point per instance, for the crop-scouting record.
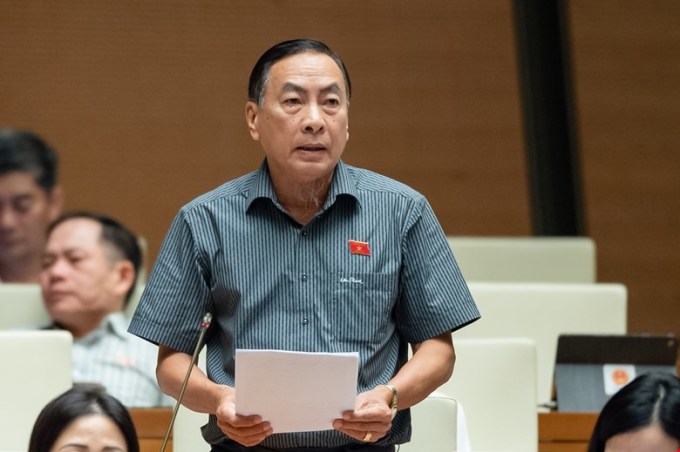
(124, 277)
(348, 120)
(55, 200)
(252, 111)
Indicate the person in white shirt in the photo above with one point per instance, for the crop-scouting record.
(89, 271)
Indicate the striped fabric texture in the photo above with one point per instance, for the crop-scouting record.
(272, 283)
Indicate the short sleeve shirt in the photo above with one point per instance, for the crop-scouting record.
(371, 273)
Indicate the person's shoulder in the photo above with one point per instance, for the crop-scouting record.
(370, 181)
(235, 189)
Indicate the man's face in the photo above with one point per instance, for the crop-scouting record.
(79, 278)
(25, 212)
(303, 122)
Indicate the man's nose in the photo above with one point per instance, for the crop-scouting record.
(313, 121)
(8, 218)
(56, 269)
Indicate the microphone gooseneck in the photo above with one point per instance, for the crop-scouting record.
(205, 324)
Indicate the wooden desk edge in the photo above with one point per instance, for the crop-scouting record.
(152, 423)
(566, 426)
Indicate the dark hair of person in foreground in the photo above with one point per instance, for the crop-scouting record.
(82, 400)
(650, 399)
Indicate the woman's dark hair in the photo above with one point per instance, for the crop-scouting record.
(121, 239)
(77, 402)
(260, 73)
(651, 399)
(25, 151)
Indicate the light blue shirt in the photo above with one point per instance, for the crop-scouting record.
(120, 362)
(272, 283)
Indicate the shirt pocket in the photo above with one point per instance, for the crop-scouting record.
(362, 307)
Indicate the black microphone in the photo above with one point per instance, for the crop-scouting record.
(205, 324)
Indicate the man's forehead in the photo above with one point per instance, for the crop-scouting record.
(18, 182)
(307, 64)
(332, 87)
(78, 230)
(19, 187)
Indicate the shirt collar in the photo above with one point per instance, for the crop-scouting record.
(115, 323)
(342, 184)
(261, 186)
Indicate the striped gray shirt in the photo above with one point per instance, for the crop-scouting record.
(272, 283)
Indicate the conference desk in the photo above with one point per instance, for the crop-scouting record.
(565, 432)
(557, 432)
(151, 425)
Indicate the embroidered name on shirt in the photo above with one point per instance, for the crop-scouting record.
(351, 280)
(357, 247)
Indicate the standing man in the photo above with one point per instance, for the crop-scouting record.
(30, 198)
(89, 270)
(306, 254)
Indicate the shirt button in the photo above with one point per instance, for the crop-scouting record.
(305, 320)
(304, 277)
(304, 233)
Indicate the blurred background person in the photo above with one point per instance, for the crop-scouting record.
(30, 198)
(643, 416)
(90, 266)
(84, 418)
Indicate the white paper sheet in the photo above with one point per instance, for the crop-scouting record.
(296, 391)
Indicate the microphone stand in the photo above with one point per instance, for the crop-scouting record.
(205, 324)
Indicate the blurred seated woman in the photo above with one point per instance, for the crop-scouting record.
(84, 419)
(643, 416)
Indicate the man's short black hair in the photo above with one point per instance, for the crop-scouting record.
(25, 151)
(260, 73)
(123, 241)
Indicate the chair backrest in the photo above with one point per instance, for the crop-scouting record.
(434, 423)
(21, 307)
(142, 274)
(544, 311)
(525, 259)
(144, 267)
(135, 296)
(186, 431)
(36, 369)
(495, 380)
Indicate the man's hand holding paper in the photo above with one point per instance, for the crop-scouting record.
(372, 415)
(246, 430)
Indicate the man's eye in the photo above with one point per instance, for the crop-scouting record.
(23, 206)
(333, 102)
(75, 259)
(292, 101)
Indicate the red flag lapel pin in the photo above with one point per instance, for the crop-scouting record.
(356, 247)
